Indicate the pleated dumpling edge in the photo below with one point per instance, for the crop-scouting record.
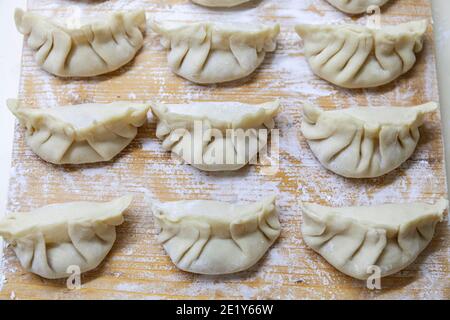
(363, 142)
(50, 239)
(207, 52)
(95, 48)
(354, 56)
(356, 239)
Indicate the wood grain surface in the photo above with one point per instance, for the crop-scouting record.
(137, 267)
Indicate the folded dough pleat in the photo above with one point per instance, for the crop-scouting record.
(212, 52)
(354, 56)
(211, 237)
(81, 133)
(364, 142)
(215, 136)
(50, 239)
(353, 239)
(93, 49)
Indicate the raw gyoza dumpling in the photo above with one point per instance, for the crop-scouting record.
(215, 52)
(50, 239)
(363, 142)
(220, 3)
(356, 6)
(82, 133)
(95, 48)
(215, 136)
(389, 236)
(212, 237)
(354, 56)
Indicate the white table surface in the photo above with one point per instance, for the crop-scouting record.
(10, 58)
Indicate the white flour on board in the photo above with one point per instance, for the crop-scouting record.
(248, 184)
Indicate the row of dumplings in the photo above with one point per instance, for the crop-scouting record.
(360, 142)
(211, 237)
(347, 55)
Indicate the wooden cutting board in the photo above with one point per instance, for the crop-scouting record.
(137, 267)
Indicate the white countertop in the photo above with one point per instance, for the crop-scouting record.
(10, 70)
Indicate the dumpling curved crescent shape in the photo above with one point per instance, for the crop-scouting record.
(215, 136)
(209, 52)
